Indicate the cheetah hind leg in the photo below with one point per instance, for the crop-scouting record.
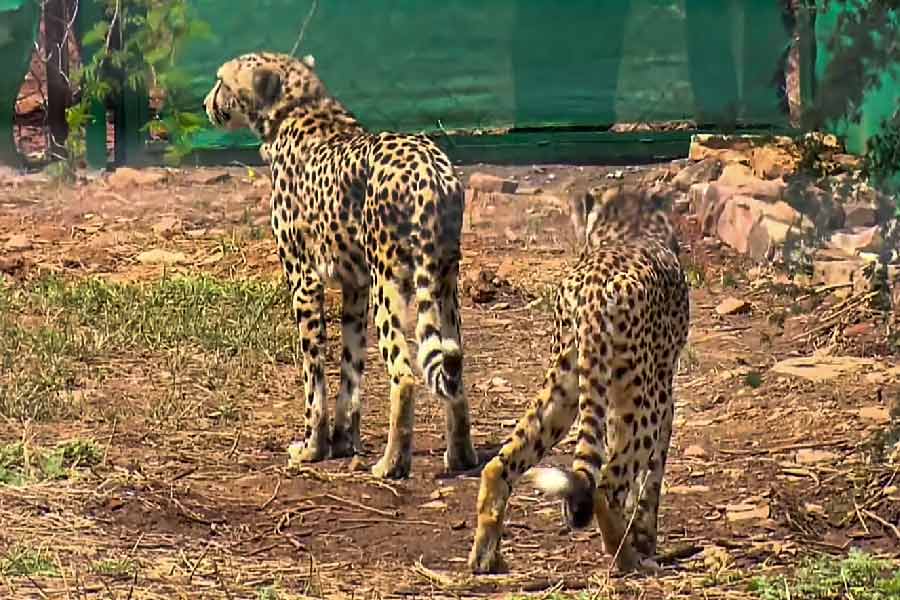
(397, 459)
(581, 503)
(345, 438)
(540, 428)
(460, 454)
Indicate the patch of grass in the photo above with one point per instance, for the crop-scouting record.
(115, 567)
(52, 331)
(228, 316)
(859, 576)
(268, 593)
(695, 273)
(21, 561)
(21, 464)
(689, 361)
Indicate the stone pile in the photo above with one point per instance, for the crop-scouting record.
(760, 195)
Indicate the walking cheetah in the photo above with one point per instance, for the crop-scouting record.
(621, 321)
(381, 214)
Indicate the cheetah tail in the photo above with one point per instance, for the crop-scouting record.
(553, 481)
(439, 357)
(575, 489)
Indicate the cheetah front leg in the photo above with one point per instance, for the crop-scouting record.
(345, 439)
(543, 426)
(309, 312)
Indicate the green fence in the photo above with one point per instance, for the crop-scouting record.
(551, 76)
(18, 26)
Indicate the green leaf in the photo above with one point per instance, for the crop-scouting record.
(96, 34)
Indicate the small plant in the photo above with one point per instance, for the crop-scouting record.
(21, 464)
(115, 567)
(753, 379)
(859, 576)
(22, 561)
(268, 593)
(141, 39)
(882, 159)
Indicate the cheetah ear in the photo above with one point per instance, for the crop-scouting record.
(578, 211)
(591, 212)
(309, 60)
(266, 86)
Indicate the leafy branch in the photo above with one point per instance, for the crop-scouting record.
(135, 48)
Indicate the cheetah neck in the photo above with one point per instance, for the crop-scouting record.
(310, 121)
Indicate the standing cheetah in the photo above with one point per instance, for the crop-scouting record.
(381, 214)
(621, 321)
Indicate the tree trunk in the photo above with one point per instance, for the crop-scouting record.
(57, 14)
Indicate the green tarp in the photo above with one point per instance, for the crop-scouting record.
(877, 104)
(18, 25)
(470, 65)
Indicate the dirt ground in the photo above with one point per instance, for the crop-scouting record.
(765, 468)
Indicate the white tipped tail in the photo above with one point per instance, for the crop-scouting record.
(552, 481)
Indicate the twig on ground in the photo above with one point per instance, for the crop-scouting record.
(884, 523)
(361, 506)
(271, 498)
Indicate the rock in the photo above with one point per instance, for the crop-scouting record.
(732, 306)
(508, 268)
(736, 175)
(356, 465)
(821, 368)
(485, 182)
(125, 177)
(166, 226)
(860, 215)
(529, 191)
(856, 240)
(695, 451)
(822, 206)
(208, 177)
(859, 330)
(850, 273)
(10, 265)
(772, 162)
(848, 162)
(728, 149)
(161, 257)
(810, 456)
(877, 414)
(746, 512)
(753, 227)
(480, 286)
(18, 242)
(704, 171)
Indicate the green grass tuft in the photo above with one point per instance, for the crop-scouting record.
(21, 464)
(21, 561)
(859, 576)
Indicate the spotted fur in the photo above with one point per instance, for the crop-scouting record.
(621, 321)
(380, 214)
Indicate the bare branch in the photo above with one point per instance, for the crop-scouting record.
(309, 16)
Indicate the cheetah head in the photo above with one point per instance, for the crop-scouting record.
(259, 90)
(606, 216)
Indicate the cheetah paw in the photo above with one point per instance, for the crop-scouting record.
(392, 467)
(462, 458)
(304, 452)
(649, 566)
